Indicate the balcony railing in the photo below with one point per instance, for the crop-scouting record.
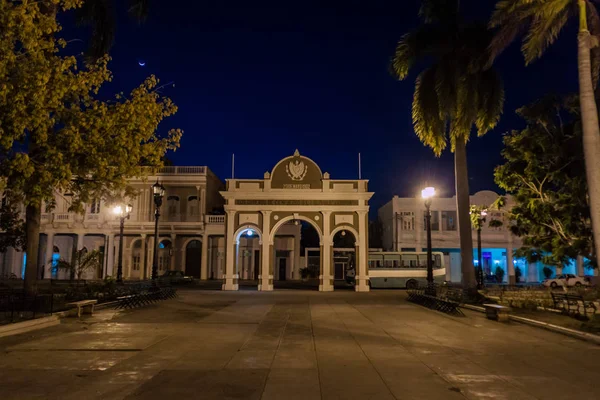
(199, 170)
(215, 219)
(64, 217)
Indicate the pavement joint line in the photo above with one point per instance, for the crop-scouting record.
(589, 337)
(280, 339)
(361, 348)
(312, 332)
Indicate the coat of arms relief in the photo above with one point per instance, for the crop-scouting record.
(296, 169)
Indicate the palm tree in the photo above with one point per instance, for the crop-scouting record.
(100, 16)
(542, 21)
(452, 93)
(83, 261)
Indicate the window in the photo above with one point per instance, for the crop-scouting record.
(435, 220)
(449, 220)
(95, 207)
(408, 220)
(193, 208)
(136, 255)
(172, 206)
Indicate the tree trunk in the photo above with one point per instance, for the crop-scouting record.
(461, 178)
(591, 132)
(32, 229)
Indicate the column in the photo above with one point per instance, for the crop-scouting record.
(297, 265)
(362, 274)
(532, 273)
(202, 203)
(510, 262)
(110, 254)
(204, 258)
(579, 266)
(326, 279)
(48, 255)
(419, 225)
(143, 261)
(231, 277)
(174, 249)
(265, 278)
(77, 245)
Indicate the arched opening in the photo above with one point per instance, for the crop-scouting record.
(297, 255)
(165, 250)
(344, 258)
(248, 256)
(136, 259)
(193, 258)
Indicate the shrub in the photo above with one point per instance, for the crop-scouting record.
(304, 273)
(547, 272)
(518, 274)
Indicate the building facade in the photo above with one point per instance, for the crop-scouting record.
(403, 222)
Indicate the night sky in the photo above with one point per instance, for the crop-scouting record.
(262, 78)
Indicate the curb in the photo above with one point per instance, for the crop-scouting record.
(589, 337)
(28, 326)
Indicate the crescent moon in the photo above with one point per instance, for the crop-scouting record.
(142, 63)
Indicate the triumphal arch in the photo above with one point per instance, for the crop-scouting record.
(296, 189)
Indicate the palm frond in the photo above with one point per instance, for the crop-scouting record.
(429, 127)
(510, 10)
(138, 9)
(594, 28)
(426, 40)
(466, 109)
(548, 20)
(100, 16)
(491, 101)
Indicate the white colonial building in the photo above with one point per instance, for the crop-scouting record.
(403, 221)
(255, 237)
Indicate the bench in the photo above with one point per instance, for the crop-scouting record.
(87, 306)
(572, 304)
(497, 312)
(446, 301)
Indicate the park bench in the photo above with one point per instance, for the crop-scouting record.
(572, 304)
(87, 306)
(497, 312)
(446, 300)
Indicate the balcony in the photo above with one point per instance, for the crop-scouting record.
(64, 217)
(198, 170)
(215, 219)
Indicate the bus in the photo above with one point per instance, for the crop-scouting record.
(404, 269)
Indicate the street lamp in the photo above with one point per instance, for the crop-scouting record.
(123, 212)
(480, 221)
(427, 195)
(159, 192)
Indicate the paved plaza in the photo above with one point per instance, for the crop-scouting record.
(295, 345)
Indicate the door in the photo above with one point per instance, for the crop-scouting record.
(339, 270)
(282, 268)
(256, 263)
(193, 258)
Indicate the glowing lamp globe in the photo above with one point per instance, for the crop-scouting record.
(428, 192)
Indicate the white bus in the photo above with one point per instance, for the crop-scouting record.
(404, 269)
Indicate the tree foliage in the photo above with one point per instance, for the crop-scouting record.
(456, 90)
(540, 22)
(544, 171)
(56, 135)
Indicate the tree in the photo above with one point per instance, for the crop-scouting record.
(453, 93)
(544, 173)
(543, 20)
(83, 261)
(100, 16)
(55, 135)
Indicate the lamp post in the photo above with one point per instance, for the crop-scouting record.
(481, 220)
(123, 212)
(159, 192)
(427, 195)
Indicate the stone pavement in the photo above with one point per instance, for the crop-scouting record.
(295, 345)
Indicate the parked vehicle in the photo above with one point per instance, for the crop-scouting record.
(404, 269)
(175, 278)
(567, 280)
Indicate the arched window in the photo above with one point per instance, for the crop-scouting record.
(193, 208)
(164, 255)
(172, 206)
(136, 255)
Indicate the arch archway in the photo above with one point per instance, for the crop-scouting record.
(344, 255)
(193, 258)
(248, 265)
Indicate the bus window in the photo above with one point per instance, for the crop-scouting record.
(409, 260)
(437, 261)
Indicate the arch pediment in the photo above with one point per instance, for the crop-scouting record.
(296, 172)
